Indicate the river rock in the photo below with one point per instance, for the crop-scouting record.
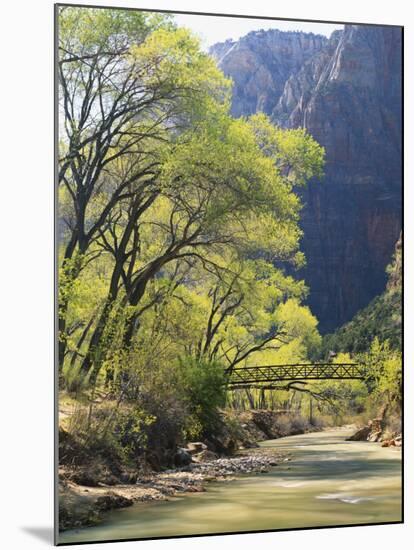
(93, 476)
(223, 443)
(182, 457)
(377, 425)
(112, 500)
(205, 456)
(374, 436)
(128, 477)
(361, 434)
(196, 447)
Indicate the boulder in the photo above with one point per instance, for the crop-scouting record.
(205, 456)
(93, 476)
(112, 500)
(222, 443)
(128, 477)
(195, 447)
(374, 436)
(360, 435)
(377, 425)
(182, 457)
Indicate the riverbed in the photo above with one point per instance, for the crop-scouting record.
(329, 481)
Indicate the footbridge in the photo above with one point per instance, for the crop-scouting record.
(244, 377)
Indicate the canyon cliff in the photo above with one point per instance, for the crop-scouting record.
(346, 91)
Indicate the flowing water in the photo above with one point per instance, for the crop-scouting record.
(329, 481)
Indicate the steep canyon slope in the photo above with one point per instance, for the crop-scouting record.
(346, 90)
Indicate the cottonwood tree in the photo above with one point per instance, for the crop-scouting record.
(154, 171)
(218, 191)
(128, 81)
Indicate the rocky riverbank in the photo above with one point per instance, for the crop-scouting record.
(82, 505)
(377, 431)
(92, 483)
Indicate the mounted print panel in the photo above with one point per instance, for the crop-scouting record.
(229, 274)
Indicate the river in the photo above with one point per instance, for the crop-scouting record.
(329, 481)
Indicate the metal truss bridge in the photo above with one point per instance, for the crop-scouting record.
(266, 376)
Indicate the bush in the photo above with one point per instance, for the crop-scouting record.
(166, 432)
(299, 424)
(202, 384)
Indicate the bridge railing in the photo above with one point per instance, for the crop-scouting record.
(243, 376)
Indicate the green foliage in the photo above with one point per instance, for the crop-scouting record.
(95, 29)
(130, 431)
(294, 151)
(342, 397)
(301, 327)
(380, 319)
(176, 215)
(385, 368)
(117, 432)
(382, 386)
(202, 385)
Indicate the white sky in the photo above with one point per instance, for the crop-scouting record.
(218, 29)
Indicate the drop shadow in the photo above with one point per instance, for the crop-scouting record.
(44, 534)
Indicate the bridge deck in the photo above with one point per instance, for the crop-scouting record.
(247, 376)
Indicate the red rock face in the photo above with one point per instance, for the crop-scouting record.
(347, 93)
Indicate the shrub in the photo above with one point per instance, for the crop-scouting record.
(201, 383)
(299, 424)
(283, 424)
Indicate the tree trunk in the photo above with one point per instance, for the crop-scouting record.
(71, 274)
(92, 359)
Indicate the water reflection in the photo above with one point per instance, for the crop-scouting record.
(329, 482)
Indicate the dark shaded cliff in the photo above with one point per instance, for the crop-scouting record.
(381, 319)
(347, 92)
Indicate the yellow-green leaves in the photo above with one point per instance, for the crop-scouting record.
(179, 211)
(385, 366)
(170, 61)
(296, 154)
(94, 29)
(225, 174)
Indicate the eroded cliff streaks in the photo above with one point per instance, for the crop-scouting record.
(346, 91)
(261, 62)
